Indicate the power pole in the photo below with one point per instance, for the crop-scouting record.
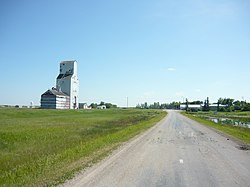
(127, 102)
(186, 104)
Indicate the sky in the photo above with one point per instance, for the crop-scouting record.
(146, 50)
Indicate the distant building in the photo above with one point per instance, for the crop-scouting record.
(54, 99)
(183, 107)
(66, 93)
(101, 107)
(84, 106)
(215, 107)
(190, 106)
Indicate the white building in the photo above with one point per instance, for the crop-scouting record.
(84, 106)
(183, 107)
(67, 84)
(53, 99)
(215, 106)
(190, 106)
(101, 107)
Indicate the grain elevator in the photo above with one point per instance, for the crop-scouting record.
(66, 93)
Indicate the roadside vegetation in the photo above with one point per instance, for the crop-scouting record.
(222, 105)
(230, 123)
(46, 147)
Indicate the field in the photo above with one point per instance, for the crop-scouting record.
(46, 147)
(236, 115)
(232, 123)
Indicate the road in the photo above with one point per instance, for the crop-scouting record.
(176, 152)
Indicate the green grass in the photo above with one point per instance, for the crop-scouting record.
(239, 116)
(240, 133)
(46, 147)
(236, 114)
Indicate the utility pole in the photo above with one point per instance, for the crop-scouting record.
(186, 104)
(127, 101)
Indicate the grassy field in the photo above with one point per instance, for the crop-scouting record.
(46, 147)
(243, 116)
(240, 133)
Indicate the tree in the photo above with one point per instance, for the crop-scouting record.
(163, 106)
(220, 100)
(196, 102)
(186, 104)
(110, 105)
(93, 105)
(102, 103)
(138, 106)
(206, 105)
(237, 105)
(246, 107)
(228, 102)
(156, 105)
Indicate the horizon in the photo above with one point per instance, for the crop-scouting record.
(99, 103)
(147, 51)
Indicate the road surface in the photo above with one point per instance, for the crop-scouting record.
(176, 152)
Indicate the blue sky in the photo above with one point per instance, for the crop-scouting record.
(146, 50)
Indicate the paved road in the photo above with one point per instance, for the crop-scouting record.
(176, 152)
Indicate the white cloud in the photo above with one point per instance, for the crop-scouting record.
(171, 69)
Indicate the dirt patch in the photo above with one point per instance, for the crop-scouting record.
(244, 147)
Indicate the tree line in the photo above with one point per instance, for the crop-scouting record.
(223, 105)
(232, 105)
(157, 105)
(108, 105)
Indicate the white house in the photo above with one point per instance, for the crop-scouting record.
(101, 107)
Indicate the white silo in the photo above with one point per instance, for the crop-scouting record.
(68, 83)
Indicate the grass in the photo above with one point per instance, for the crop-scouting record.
(236, 115)
(240, 133)
(46, 147)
